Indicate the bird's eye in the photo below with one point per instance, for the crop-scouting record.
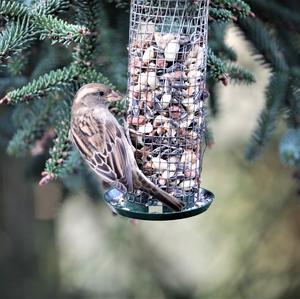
(101, 93)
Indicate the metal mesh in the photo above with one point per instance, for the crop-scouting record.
(166, 92)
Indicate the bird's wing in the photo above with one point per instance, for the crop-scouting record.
(100, 139)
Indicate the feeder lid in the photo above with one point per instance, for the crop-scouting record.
(131, 209)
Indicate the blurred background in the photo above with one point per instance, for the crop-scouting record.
(245, 246)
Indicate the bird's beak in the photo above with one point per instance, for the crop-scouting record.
(114, 96)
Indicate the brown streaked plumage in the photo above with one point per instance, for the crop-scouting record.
(102, 142)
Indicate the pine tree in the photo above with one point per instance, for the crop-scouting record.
(49, 48)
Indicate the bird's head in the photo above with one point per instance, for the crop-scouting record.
(95, 94)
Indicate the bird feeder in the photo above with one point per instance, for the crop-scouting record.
(165, 117)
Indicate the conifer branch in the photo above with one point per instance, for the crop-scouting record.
(60, 31)
(293, 107)
(15, 38)
(275, 94)
(239, 8)
(213, 98)
(221, 15)
(16, 64)
(222, 70)
(71, 164)
(217, 42)
(50, 7)
(216, 68)
(39, 88)
(240, 75)
(32, 128)
(61, 150)
(265, 46)
(88, 15)
(13, 9)
(284, 15)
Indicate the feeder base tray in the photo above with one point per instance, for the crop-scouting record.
(134, 210)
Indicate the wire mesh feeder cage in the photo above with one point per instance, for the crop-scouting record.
(165, 117)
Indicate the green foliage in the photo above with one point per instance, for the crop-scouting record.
(220, 15)
(265, 45)
(59, 31)
(50, 6)
(32, 128)
(12, 9)
(88, 13)
(267, 121)
(91, 39)
(240, 75)
(222, 70)
(53, 81)
(15, 38)
(293, 103)
(225, 8)
(286, 16)
(60, 152)
(16, 64)
(217, 43)
(25, 25)
(274, 38)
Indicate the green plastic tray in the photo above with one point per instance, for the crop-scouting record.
(135, 210)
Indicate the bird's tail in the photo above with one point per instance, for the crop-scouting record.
(144, 184)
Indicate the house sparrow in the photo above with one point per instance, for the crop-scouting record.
(104, 144)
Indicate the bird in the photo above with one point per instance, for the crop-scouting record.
(105, 146)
